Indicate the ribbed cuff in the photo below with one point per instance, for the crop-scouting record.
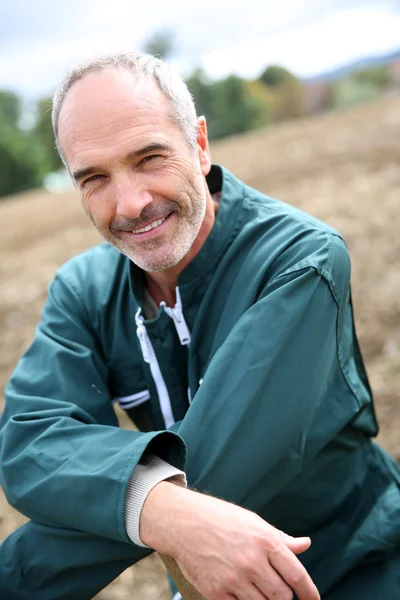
(147, 473)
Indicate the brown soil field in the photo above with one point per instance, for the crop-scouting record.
(342, 167)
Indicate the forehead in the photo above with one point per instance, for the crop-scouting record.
(104, 109)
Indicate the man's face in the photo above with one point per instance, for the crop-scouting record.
(140, 182)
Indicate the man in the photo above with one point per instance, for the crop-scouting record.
(221, 320)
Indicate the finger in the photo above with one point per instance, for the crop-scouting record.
(295, 544)
(271, 585)
(251, 592)
(293, 572)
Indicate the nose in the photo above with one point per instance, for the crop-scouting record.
(132, 196)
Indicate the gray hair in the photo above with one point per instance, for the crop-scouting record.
(145, 67)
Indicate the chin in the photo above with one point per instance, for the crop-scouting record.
(153, 263)
(156, 258)
(154, 266)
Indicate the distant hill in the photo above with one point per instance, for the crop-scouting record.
(362, 63)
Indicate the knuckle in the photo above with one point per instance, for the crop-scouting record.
(277, 550)
(231, 582)
(270, 543)
(299, 575)
(226, 583)
(248, 564)
(215, 591)
(296, 577)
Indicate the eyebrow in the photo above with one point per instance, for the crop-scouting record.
(133, 154)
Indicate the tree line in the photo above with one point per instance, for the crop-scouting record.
(232, 105)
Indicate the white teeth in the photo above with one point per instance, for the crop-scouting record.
(148, 227)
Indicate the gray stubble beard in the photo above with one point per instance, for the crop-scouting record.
(181, 247)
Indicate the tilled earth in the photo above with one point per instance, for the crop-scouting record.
(342, 167)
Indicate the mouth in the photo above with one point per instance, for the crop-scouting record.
(150, 226)
(150, 230)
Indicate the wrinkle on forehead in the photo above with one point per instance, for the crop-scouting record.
(123, 124)
(99, 108)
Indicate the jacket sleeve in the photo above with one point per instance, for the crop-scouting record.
(256, 416)
(64, 462)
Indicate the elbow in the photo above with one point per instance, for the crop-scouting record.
(14, 468)
(9, 472)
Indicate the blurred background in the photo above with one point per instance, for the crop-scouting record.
(302, 100)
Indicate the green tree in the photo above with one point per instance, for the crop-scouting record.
(22, 159)
(234, 108)
(202, 91)
(161, 43)
(22, 162)
(10, 108)
(229, 105)
(274, 76)
(288, 100)
(43, 132)
(287, 93)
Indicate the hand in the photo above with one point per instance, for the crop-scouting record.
(225, 551)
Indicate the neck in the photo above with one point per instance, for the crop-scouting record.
(161, 284)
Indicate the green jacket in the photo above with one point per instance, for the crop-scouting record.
(267, 406)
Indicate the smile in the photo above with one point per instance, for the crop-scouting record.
(150, 226)
(151, 230)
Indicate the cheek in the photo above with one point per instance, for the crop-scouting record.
(85, 200)
(174, 176)
(96, 206)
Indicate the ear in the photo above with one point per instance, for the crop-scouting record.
(203, 148)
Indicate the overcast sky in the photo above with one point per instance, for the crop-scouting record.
(40, 39)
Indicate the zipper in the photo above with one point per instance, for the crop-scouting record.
(176, 314)
(149, 356)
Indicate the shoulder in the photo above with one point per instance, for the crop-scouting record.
(93, 275)
(287, 240)
(95, 265)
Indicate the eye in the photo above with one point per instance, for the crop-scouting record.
(92, 178)
(147, 159)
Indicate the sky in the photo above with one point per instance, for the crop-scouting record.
(40, 40)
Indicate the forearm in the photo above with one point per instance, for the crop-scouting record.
(150, 471)
(161, 519)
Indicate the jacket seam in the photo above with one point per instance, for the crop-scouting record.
(322, 270)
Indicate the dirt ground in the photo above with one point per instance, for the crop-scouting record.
(342, 167)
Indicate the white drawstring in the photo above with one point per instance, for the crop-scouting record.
(132, 400)
(149, 356)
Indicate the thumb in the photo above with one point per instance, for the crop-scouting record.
(296, 544)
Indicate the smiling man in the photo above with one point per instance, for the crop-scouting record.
(221, 321)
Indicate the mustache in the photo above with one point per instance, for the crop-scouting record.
(151, 212)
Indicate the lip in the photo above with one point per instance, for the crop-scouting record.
(147, 235)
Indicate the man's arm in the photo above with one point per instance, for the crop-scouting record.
(254, 419)
(253, 426)
(64, 461)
